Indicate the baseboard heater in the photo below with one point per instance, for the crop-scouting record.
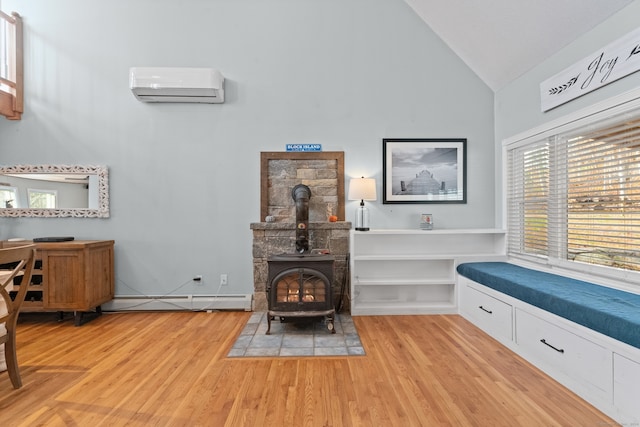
(179, 302)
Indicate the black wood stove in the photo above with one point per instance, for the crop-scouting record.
(299, 284)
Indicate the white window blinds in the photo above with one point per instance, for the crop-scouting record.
(575, 196)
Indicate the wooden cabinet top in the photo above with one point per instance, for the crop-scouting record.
(73, 244)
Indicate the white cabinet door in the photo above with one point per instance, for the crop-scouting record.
(626, 388)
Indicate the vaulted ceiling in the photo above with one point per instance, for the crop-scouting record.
(502, 39)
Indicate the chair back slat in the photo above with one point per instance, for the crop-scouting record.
(15, 264)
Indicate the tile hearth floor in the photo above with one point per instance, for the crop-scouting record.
(297, 337)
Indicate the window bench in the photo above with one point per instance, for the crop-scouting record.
(609, 311)
(584, 335)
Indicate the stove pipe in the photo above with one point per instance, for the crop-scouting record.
(301, 195)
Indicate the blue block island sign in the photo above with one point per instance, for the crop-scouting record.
(304, 147)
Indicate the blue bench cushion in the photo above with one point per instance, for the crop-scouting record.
(609, 311)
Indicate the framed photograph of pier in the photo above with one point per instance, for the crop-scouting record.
(424, 170)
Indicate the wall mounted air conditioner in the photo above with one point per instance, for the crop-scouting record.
(153, 84)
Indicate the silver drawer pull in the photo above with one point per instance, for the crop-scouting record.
(559, 350)
(485, 310)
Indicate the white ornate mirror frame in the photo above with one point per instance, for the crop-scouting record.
(101, 172)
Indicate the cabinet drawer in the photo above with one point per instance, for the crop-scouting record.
(488, 313)
(565, 353)
(626, 387)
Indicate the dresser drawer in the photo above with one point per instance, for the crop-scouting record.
(488, 313)
(564, 353)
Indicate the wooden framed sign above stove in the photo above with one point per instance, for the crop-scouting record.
(322, 171)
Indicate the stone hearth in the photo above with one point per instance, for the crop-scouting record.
(279, 237)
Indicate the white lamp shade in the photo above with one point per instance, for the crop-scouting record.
(362, 189)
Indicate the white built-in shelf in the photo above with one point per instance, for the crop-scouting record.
(413, 271)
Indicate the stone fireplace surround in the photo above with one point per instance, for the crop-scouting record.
(274, 238)
(323, 172)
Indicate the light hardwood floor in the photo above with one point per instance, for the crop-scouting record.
(171, 369)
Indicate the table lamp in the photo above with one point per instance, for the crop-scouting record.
(362, 189)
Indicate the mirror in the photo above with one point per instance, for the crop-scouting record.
(54, 191)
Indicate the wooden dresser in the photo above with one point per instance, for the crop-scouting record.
(75, 276)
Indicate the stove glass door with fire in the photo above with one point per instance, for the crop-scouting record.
(300, 289)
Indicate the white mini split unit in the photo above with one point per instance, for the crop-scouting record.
(152, 84)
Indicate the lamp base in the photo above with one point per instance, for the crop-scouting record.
(362, 218)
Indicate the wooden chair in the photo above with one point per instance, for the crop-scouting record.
(15, 262)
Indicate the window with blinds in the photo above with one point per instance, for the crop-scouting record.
(575, 196)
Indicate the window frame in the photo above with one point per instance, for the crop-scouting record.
(12, 85)
(13, 190)
(618, 105)
(53, 193)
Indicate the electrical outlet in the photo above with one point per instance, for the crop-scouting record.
(224, 279)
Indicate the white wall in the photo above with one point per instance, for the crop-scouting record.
(518, 104)
(185, 179)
